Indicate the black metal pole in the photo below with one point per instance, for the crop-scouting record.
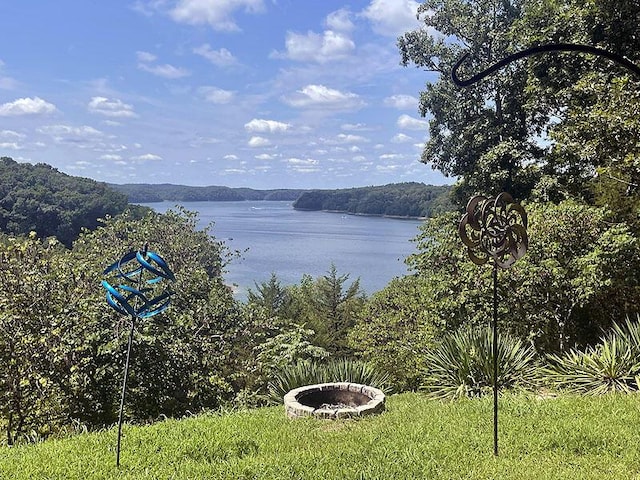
(495, 359)
(124, 388)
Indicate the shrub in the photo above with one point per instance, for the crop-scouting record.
(611, 366)
(462, 364)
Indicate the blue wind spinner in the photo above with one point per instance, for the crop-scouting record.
(129, 300)
(140, 273)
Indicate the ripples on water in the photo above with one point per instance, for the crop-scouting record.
(291, 243)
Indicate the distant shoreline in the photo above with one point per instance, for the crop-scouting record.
(344, 212)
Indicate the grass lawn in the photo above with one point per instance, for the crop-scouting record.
(416, 438)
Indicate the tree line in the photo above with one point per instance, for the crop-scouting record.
(409, 199)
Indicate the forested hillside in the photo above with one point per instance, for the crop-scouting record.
(39, 198)
(400, 199)
(149, 193)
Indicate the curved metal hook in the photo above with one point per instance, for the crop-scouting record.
(556, 47)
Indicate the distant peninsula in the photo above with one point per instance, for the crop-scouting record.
(409, 200)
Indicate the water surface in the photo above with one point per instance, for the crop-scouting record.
(291, 243)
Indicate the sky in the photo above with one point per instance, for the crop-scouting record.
(244, 93)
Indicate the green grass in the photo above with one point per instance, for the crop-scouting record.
(416, 438)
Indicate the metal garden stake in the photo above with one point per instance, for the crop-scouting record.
(139, 297)
(494, 229)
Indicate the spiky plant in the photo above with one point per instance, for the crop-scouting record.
(307, 372)
(611, 366)
(462, 364)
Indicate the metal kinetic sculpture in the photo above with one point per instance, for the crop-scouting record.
(494, 230)
(139, 296)
(489, 229)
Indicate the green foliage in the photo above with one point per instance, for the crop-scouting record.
(462, 364)
(482, 134)
(611, 366)
(329, 307)
(394, 331)
(149, 193)
(401, 199)
(591, 438)
(307, 372)
(579, 275)
(62, 350)
(292, 345)
(39, 198)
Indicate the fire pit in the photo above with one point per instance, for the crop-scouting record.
(334, 400)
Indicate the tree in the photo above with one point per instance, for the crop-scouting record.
(482, 134)
(39, 198)
(395, 330)
(588, 103)
(579, 275)
(329, 308)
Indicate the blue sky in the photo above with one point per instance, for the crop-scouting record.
(244, 93)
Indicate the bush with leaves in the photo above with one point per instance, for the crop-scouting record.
(611, 366)
(394, 331)
(462, 364)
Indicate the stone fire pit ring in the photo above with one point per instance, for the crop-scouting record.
(334, 400)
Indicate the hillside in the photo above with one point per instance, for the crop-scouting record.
(416, 438)
(149, 193)
(39, 198)
(399, 199)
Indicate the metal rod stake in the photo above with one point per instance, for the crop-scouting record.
(124, 389)
(495, 359)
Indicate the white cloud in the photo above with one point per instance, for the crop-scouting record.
(343, 138)
(110, 108)
(401, 102)
(220, 58)
(258, 125)
(216, 13)
(355, 127)
(11, 134)
(258, 142)
(216, 95)
(300, 161)
(300, 165)
(231, 157)
(79, 136)
(26, 106)
(110, 157)
(266, 156)
(313, 47)
(321, 96)
(410, 123)
(392, 17)
(146, 57)
(165, 71)
(390, 156)
(10, 145)
(401, 138)
(145, 157)
(340, 20)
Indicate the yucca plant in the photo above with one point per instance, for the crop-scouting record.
(611, 366)
(462, 364)
(306, 372)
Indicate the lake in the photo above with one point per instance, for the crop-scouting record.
(291, 243)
